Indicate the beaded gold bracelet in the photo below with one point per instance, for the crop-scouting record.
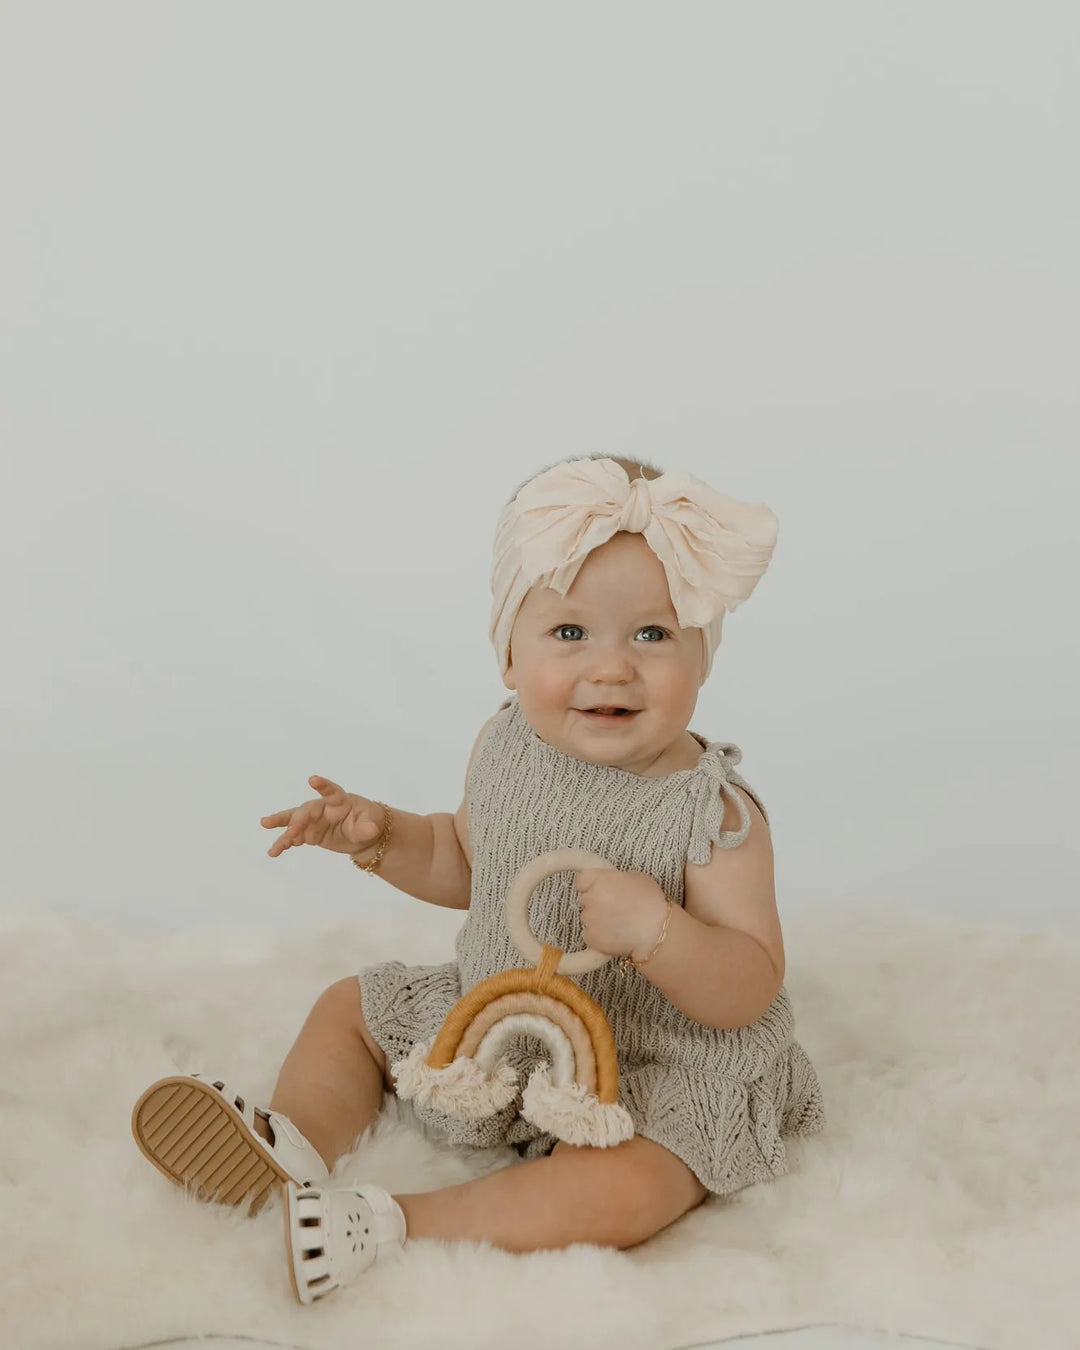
(628, 961)
(384, 838)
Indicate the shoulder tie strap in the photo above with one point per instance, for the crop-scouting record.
(717, 766)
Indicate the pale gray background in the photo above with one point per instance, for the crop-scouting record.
(294, 295)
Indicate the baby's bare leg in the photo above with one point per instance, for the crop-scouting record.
(331, 1083)
(613, 1197)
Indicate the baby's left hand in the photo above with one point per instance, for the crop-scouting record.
(621, 912)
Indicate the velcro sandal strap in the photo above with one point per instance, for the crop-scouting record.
(388, 1222)
(300, 1158)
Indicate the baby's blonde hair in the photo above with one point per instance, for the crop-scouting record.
(635, 468)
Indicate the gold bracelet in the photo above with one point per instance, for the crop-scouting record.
(384, 838)
(628, 961)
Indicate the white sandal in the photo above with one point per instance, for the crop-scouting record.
(200, 1132)
(333, 1233)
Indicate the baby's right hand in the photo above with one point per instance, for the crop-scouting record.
(336, 819)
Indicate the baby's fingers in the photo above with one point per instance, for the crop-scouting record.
(329, 790)
(280, 844)
(301, 818)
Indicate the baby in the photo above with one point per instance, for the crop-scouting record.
(593, 753)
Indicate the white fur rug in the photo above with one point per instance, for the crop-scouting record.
(943, 1200)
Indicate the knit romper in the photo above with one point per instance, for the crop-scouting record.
(720, 1099)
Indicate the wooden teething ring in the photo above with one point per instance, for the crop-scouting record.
(521, 892)
(547, 978)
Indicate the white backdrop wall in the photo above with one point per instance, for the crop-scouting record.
(295, 295)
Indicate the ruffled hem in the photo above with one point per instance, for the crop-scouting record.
(729, 1132)
(732, 1134)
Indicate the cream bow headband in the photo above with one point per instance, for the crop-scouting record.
(714, 549)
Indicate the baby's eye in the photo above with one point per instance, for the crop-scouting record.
(650, 627)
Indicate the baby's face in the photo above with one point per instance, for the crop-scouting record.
(612, 640)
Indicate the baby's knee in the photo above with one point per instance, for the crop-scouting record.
(629, 1192)
(341, 1003)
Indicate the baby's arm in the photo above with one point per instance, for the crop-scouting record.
(430, 857)
(414, 860)
(453, 847)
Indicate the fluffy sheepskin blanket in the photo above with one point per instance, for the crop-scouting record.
(943, 1199)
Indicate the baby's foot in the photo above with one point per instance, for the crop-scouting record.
(334, 1233)
(262, 1125)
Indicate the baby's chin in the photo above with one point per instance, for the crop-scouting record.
(646, 756)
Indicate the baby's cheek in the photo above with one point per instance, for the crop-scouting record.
(550, 686)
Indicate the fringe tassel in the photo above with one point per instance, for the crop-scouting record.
(573, 1114)
(461, 1089)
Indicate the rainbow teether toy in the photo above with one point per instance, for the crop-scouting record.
(463, 1072)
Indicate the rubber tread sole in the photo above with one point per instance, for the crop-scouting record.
(197, 1139)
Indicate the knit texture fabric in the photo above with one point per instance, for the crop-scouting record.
(720, 1099)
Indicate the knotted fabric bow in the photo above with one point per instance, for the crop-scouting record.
(714, 549)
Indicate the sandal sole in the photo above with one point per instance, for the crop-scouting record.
(291, 1250)
(194, 1137)
(286, 1210)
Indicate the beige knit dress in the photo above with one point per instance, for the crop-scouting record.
(719, 1099)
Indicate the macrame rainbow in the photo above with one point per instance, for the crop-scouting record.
(463, 1071)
